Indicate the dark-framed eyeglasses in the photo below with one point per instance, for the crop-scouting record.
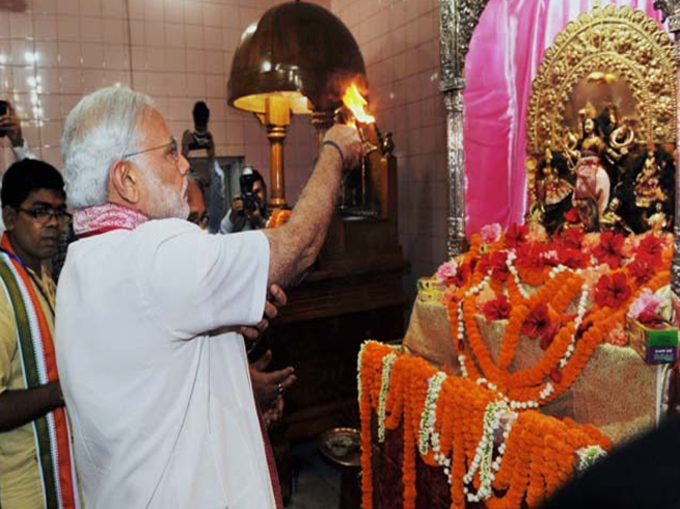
(44, 214)
(174, 150)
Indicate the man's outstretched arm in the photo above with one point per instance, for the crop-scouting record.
(295, 245)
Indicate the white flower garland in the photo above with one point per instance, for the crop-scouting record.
(580, 313)
(483, 460)
(428, 435)
(513, 270)
(387, 363)
(429, 415)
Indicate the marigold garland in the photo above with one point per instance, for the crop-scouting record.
(540, 451)
(567, 349)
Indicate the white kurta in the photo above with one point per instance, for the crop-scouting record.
(156, 386)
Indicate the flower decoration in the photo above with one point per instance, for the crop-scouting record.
(537, 323)
(648, 303)
(572, 237)
(485, 296)
(642, 269)
(618, 336)
(498, 263)
(651, 247)
(549, 335)
(446, 273)
(516, 234)
(498, 309)
(612, 291)
(530, 256)
(491, 233)
(609, 250)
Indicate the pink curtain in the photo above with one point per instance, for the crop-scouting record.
(505, 54)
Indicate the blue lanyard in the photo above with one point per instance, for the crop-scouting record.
(33, 278)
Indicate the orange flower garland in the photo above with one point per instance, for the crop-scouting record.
(278, 218)
(566, 353)
(539, 453)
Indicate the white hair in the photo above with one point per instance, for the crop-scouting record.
(100, 130)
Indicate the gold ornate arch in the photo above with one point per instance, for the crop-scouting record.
(609, 39)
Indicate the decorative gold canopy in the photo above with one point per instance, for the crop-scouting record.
(609, 43)
(299, 51)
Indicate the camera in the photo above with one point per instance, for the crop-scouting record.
(250, 200)
(4, 107)
(199, 140)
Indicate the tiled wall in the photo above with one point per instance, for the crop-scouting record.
(177, 51)
(399, 40)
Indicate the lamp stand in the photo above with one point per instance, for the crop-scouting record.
(277, 119)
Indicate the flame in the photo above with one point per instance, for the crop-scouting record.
(356, 104)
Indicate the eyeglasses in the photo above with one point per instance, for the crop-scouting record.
(43, 214)
(174, 151)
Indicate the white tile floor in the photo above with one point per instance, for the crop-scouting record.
(316, 483)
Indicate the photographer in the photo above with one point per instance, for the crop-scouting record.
(249, 209)
(10, 127)
(198, 140)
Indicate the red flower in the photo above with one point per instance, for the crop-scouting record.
(571, 257)
(482, 264)
(516, 235)
(642, 268)
(572, 237)
(556, 375)
(499, 265)
(462, 275)
(537, 323)
(549, 335)
(612, 291)
(650, 246)
(609, 250)
(572, 216)
(530, 256)
(650, 319)
(497, 309)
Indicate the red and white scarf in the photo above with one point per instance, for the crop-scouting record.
(104, 218)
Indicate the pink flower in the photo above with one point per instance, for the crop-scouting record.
(447, 272)
(490, 233)
(647, 303)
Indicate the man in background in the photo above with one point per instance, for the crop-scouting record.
(153, 367)
(197, 141)
(10, 128)
(36, 468)
(249, 209)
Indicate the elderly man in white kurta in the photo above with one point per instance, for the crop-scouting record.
(149, 310)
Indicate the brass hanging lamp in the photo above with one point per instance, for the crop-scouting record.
(298, 58)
